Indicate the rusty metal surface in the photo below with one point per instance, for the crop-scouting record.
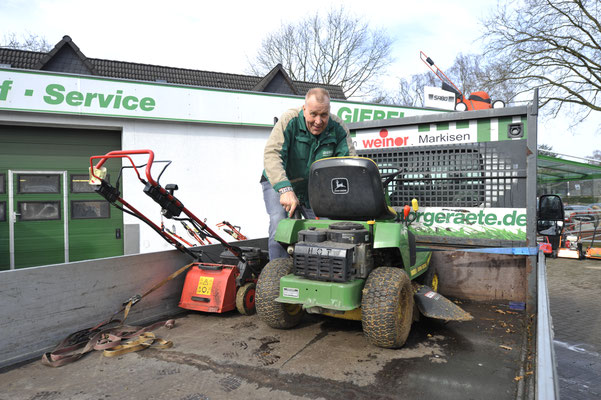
(481, 276)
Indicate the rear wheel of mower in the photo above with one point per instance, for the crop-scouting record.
(245, 299)
(387, 307)
(276, 315)
(430, 278)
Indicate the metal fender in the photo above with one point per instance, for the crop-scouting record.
(392, 235)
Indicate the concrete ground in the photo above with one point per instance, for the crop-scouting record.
(231, 356)
(575, 300)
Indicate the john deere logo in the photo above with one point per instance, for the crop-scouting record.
(340, 186)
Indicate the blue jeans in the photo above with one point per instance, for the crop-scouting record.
(276, 214)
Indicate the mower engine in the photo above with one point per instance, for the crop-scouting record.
(338, 254)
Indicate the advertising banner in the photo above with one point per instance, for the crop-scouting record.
(67, 94)
(475, 223)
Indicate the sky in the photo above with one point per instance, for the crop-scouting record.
(223, 36)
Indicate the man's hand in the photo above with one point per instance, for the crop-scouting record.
(290, 202)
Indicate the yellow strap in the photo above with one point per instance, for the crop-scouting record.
(145, 340)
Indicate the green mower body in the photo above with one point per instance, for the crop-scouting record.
(357, 261)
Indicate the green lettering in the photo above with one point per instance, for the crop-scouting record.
(89, 98)
(147, 104)
(74, 98)
(104, 101)
(345, 114)
(428, 218)
(521, 220)
(459, 219)
(365, 114)
(440, 218)
(481, 217)
(130, 103)
(379, 114)
(392, 114)
(54, 94)
(491, 219)
(471, 218)
(117, 102)
(509, 219)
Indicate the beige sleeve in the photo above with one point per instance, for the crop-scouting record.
(272, 158)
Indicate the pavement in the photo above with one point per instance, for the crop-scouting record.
(231, 356)
(575, 301)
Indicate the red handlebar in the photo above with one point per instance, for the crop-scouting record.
(125, 154)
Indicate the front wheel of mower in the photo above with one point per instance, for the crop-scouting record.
(245, 299)
(387, 307)
(276, 315)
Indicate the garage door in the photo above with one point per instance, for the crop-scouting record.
(48, 212)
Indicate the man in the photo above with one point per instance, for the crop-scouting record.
(300, 137)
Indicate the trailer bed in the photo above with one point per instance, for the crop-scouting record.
(231, 356)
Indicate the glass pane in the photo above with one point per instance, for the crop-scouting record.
(90, 209)
(2, 183)
(2, 211)
(39, 210)
(79, 184)
(39, 183)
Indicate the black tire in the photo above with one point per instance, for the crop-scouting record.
(387, 307)
(245, 299)
(276, 315)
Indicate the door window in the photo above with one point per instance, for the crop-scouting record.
(39, 210)
(89, 209)
(38, 183)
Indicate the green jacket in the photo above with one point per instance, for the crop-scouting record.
(291, 149)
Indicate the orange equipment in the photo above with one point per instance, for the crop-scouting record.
(208, 287)
(476, 101)
(233, 231)
(592, 251)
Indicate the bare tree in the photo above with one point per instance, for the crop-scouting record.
(553, 45)
(28, 41)
(595, 158)
(410, 92)
(546, 150)
(339, 49)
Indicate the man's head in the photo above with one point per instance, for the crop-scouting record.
(317, 110)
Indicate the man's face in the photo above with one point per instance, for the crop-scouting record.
(316, 115)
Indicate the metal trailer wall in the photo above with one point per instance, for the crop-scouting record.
(42, 305)
(494, 171)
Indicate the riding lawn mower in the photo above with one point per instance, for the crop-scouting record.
(357, 260)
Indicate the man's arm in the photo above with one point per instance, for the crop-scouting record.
(276, 149)
(274, 160)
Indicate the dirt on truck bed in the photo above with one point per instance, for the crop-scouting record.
(231, 356)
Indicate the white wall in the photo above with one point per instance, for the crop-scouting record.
(217, 169)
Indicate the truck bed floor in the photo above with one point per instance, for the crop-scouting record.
(231, 356)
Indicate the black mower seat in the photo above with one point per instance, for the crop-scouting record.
(348, 188)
